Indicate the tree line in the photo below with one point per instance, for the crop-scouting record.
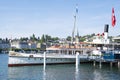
(47, 38)
(44, 38)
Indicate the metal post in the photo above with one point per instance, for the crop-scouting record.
(44, 60)
(100, 64)
(111, 64)
(94, 63)
(118, 64)
(77, 60)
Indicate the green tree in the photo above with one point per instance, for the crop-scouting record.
(43, 38)
(55, 38)
(33, 38)
(48, 37)
(24, 39)
(68, 38)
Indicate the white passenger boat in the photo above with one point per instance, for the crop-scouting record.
(54, 55)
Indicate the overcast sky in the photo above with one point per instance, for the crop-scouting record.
(22, 18)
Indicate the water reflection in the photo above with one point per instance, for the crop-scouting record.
(44, 72)
(3, 66)
(64, 72)
(26, 72)
(77, 73)
(97, 75)
(44, 75)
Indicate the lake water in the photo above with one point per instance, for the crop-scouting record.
(57, 72)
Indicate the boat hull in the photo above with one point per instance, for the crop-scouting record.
(28, 61)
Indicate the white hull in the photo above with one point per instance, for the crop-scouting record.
(37, 59)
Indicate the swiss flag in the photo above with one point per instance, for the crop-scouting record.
(113, 18)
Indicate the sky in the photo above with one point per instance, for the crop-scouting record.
(23, 18)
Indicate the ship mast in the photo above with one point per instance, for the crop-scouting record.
(73, 32)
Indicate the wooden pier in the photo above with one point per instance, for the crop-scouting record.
(100, 61)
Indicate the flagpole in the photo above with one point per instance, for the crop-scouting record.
(113, 24)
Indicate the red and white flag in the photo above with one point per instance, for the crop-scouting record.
(113, 18)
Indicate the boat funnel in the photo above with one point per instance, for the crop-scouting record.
(106, 33)
(106, 28)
